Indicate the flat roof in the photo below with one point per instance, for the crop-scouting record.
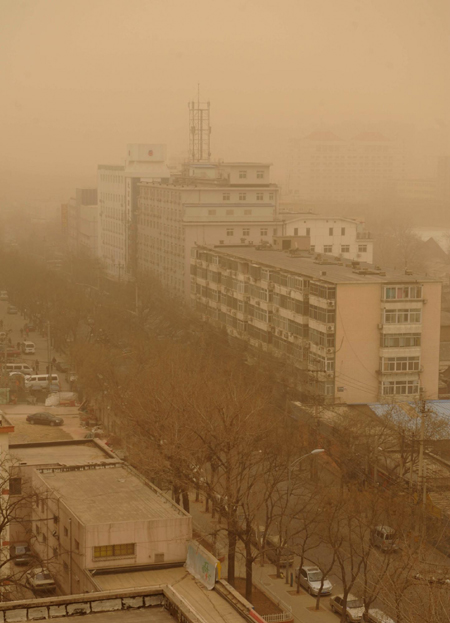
(59, 453)
(209, 605)
(110, 495)
(153, 614)
(310, 267)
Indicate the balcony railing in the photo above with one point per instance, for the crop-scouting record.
(364, 235)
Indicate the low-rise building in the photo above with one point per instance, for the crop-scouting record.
(357, 334)
(97, 516)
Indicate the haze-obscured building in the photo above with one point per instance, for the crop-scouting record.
(325, 168)
(82, 222)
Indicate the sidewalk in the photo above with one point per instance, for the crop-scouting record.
(302, 604)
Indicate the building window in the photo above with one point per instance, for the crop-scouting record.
(242, 196)
(330, 231)
(308, 231)
(15, 486)
(77, 545)
(110, 551)
(345, 248)
(242, 175)
(247, 212)
(275, 231)
(295, 231)
(402, 388)
(259, 196)
(342, 231)
(259, 175)
(271, 196)
(362, 248)
(229, 212)
(400, 364)
(264, 231)
(230, 232)
(403, 292)
(392, 340)
(246, 231)
(211, 212)
(226, 197)
(328, 248)
(402, 316)
(312, 248)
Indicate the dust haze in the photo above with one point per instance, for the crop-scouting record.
(82, 78)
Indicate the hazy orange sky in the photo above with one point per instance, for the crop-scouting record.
(81, 78)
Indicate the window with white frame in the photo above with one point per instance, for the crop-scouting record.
(260, 175)
(242, 175)
(242, 196)
(402, 292)
(402, 316)
(246, 231)
(400, 364)
(230, 231)
(328, 248)
(264, 231)
(345, 248)
(226, 197)
(211, 212)
(259, 196)
(392, 340)
(362, 248)
(247, 212)
(400, 387)
(229, 212)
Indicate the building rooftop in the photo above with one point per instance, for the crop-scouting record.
(327, 270)
(209, 606)
(69, 453)
(109, 495)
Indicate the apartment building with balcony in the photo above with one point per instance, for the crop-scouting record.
(353, 333)
(222, 203)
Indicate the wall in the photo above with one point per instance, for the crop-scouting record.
(358, 313)
(431, 317)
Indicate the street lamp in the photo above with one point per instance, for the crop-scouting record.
(312, 453)
(317, 451)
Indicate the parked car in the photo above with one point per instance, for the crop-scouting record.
(311, 579)
(21, 554)
(10, 351)
(3, 295)
(28, 348)
(45, 418)
(30, 326)
(40, 580)
(62, 366)
(385, 538)
(12, 310)
(377, 616)
(354, 608)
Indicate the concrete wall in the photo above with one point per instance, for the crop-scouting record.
(358, 313)
(431, 315)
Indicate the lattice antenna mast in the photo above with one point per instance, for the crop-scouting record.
(199, 130)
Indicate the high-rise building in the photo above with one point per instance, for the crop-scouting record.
(353, 333)
(82, 222)
(221, 203)
(118, 199)
(325, 168)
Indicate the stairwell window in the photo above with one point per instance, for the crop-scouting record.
(242, 175)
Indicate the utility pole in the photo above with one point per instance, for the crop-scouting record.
(49, 376)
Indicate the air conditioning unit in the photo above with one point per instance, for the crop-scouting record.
(288, 292)
(329, 351)
(279, 332)
(233, 313)
(425, 301)
(277, 309)
(258, 304)
(330, 303)
(330, 328)
(286, 334)
(220, 241)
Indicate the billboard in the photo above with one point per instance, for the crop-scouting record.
(202, 564)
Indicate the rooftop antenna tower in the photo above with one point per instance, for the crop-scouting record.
(199, 130)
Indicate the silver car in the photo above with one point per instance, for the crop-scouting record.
(354, 608)
(311, 580)
(377, 616)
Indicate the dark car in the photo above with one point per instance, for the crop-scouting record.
(45, 418)
(30, 326)
(11, 309)
(21, 554)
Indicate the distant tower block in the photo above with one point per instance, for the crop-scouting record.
(199, 131)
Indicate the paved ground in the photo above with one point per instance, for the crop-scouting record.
(302, 604)
(155, 615)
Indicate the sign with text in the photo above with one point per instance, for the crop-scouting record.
(202, 564)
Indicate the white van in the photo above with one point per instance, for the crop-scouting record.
(28, 348)
(40, 381)
(24, 368)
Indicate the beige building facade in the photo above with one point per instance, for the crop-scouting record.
(354, 334)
